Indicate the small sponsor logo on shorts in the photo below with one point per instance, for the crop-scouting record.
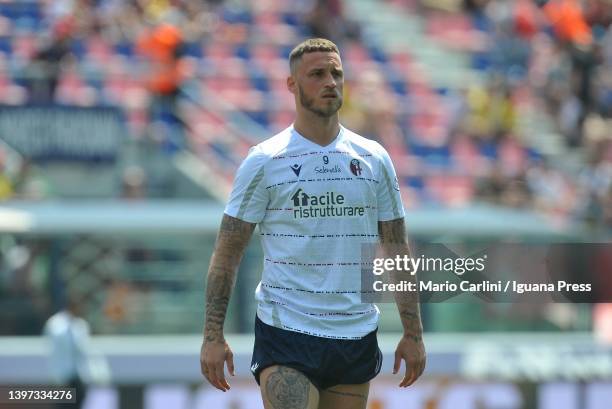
(254, 367)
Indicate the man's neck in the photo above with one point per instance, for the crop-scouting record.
(321, 131)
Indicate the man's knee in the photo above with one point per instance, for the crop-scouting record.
(287, 388)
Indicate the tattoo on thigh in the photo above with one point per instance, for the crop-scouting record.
(287, 388)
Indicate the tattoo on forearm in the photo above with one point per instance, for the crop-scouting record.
(349, 394)
(409, 315)
(411, 321)
(287, 388)
(234, 235)
(392, 232)
(393, 240)
(218, 291)
(231, 224)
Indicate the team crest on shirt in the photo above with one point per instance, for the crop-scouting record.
(356, 167)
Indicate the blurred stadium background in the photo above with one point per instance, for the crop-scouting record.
(122, 123)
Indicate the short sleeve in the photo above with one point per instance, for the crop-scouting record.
(390, 204)
(249, 197)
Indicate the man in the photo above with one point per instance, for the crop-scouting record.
(72, 362)
(318, 192)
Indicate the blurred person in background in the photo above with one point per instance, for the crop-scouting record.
(162, 46)
(72, 363)
(492, 114)
(504, 189)
(551, 191)
(475, 6)
(313, 349)
(30, 183)
(6, 185)
(595, 184)
(572, 30)
(44, 70)
(327, 19)
(134, 183)
(22, 289)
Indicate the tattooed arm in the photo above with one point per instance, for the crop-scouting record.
(410, 348)
(233, 237)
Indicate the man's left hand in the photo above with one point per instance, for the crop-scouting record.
(412, 350)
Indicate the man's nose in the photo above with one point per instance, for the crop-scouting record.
(330, 81)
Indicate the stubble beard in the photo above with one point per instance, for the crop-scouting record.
(330, 110)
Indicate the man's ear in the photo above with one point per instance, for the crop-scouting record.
(291, 86)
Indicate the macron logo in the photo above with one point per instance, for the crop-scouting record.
(296, 169)
(254, 367)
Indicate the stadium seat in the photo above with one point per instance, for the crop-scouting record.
(242, 51)
(5, 45)
(125, 48)
(97, 48)
(258, 79)
(192, 49)
(236, 16)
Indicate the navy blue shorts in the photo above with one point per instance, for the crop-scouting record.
(324, 361)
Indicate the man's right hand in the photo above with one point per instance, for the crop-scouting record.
(213, 356)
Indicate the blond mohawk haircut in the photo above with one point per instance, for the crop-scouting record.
(311, 45)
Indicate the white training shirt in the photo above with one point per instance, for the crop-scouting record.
(315, 207)
(70, 354)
